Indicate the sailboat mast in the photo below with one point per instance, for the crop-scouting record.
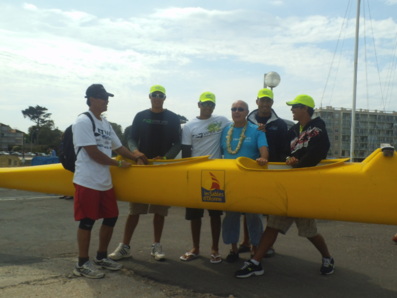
(353, 120)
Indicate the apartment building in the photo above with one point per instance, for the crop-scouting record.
(9, 137)
(372, 128)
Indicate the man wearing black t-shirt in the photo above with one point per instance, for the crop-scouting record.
(155, 132)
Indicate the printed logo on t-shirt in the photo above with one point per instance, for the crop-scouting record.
(103, 138)
(155, 121)
(212, 128)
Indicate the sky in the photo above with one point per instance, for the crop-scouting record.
(51, 51)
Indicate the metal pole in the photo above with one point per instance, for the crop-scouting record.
(353, 122)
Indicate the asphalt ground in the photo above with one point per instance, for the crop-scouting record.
(38, 251)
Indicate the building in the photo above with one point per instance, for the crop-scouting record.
(372, 129)
(10, 137)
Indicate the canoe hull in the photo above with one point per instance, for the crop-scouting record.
(336, 190)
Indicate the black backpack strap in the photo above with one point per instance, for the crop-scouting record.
(93, 126)
(92, 120)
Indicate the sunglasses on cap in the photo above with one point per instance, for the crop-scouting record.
(207, 104)
(237, 109)
(297, 106)
(157, 95)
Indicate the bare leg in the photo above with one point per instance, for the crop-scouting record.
(319, 242)
(268, 238)
(195, 226)
(83, 240)
(246, 239)
(105, 234)
(130, 225)
(216, 233)
(158, 225)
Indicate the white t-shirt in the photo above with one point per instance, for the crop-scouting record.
(204, 135)
(88, 172)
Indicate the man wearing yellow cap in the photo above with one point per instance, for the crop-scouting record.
(268, 121)
(276, 133)
(201, 136)
(155, 132)
(308, 145)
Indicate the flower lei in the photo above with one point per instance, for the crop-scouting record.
(229, 139)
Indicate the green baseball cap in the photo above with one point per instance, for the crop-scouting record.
(207, 96)
(157, 88)
(302, 99)
(265, 93)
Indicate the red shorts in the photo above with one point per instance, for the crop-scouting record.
(94, 204)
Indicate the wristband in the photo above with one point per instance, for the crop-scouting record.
(119, 163)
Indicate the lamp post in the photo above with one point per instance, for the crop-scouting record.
(271, 79)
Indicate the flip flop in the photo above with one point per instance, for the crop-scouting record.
(188, 256)
(216, 259)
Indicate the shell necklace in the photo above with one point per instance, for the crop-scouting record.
(229, 139)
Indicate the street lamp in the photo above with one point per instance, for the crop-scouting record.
(271, 79)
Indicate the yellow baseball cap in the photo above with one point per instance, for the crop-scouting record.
(265, 93)
(207, 96)
(302, 99)
(157, 88)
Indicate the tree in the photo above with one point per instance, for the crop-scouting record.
(38, 115)
(41, 118)
(117, 129)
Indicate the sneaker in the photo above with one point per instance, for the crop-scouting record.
(232, 257)
(122, 251)
(249, 269)
(157, 252)
(327, 266)
(108, 264)
(88, 270)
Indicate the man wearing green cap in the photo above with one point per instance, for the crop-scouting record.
(268, 121)
(276, 133)
(201, 136)
(308, 145)
(155, 132)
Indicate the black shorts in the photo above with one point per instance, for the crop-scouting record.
(195, 213)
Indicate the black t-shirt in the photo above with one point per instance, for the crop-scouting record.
(155, 133)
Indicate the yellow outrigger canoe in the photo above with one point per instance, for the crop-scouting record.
(335, 189)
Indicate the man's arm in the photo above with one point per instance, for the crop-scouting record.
(137, 156)
(186, 151)
(264, 156)
(174, 150)
(101, 158)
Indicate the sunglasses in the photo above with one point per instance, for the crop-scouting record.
(102, 97)
(157, 95)
(297, 106)
(207, 104)
(237, 109)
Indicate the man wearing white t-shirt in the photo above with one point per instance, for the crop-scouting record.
(201, 136)
(94, 195)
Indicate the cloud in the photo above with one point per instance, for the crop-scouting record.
(49, 57)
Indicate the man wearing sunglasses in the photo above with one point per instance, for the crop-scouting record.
(242, 138)
(201, 136)
(155, 132)
(308, 145)
(94, 194)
